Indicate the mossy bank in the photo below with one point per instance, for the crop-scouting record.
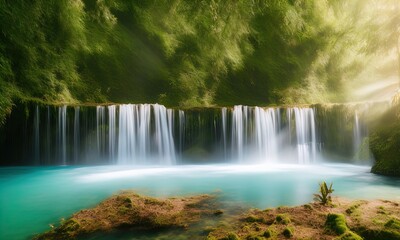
(385, 142)
(200, 217)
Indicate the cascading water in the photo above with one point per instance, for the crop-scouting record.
(263, 132)
(238, 131)
(357, 138)
(266, 132)
(224, 126)
(111, 132)
(62, 133)
(36, 135)
(181, 130)
(305, 132)
(152, 134)
(142, 136)
(100, 129)
(76, 134)
(163, 134)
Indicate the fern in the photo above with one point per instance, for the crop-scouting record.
(325, 194)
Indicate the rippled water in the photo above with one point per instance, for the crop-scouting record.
(34, 197)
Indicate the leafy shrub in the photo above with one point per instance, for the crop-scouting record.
(324, 195)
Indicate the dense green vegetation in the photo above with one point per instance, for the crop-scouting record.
(385, 141)
(193, 53)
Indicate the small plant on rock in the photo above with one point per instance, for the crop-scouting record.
(324, 195)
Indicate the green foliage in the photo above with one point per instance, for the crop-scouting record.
(336, 223)
(393, 223)
(254, 237)
(253, 218)
(268, 233)
(191, 53)
(380, 234)
(282, 219)
(385, 142)
(353, 208)
(288, 232)
(324, 195)
(349, 235)
(232, 236)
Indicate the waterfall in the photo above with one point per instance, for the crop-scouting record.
(163, 133)
(76, 135)
(266, 133)
(259, 130)
(62, 133)
(356, 133)
(181, 130)
(36, 135)
(289, 123)
(306, 135)
(111, 132)
(136, 144)
(48, 136)
(238, 124)
(224, 110)
(127, 134)
(144, 130)
(100, 129)
(152, 134)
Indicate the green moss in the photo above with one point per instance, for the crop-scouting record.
(211, 238)
(372, 234)
(385, 142)
(254, 237)
(381, 210)
(70, 225)
(288, 232)
(267, 233)
(253, 218)
(353, 208)
(336, 223)
(308, 206)
(282, 219)
(246, 228)
(349, 235)
(123, 209)
(393, 223)
(232, 236)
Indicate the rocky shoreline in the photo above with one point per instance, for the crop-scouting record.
(130, 212)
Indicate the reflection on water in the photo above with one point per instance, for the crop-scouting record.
(34, 197)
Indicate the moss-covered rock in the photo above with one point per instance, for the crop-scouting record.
(133, 212)
(254, 237)
(336, 223)
(393, 223)
(268, 233)
(385, 143)
(349, 235)
(348, 220)
(253, 218)
(372, 234)
(288, 232)
(232, 236)
(282, 219)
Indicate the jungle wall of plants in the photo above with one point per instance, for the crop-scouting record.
(192, 53)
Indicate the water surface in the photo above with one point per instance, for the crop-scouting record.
(34, 197)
